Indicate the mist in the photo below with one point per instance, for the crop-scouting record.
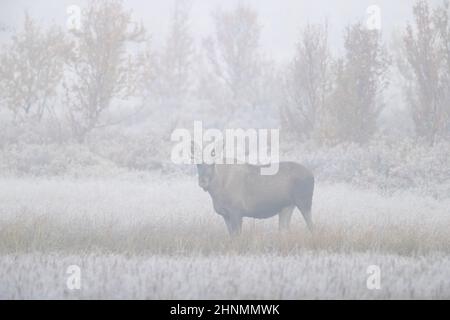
(349, 99)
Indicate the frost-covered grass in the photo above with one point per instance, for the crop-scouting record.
(306, 275)
(157, 214)
(156, 236)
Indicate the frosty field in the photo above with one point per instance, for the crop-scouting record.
(115, 113)
(157, 236)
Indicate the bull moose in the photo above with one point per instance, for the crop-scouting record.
(239, 190)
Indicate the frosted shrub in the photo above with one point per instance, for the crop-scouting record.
(48, 160)
(388, 166)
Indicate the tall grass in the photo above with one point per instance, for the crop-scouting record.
(158, 237)
(160, 216)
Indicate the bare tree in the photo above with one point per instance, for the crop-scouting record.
(31, 68)
(307, 82)
(360, 78)
(427, 70)
(100, 69)
(234, 56)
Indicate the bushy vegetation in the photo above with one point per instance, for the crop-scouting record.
(74, 86)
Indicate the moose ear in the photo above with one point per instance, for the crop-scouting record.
(219, 149)
(192, 148)
(196, 154)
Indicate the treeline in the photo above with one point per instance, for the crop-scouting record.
(71, 80)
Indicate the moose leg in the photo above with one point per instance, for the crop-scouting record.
(303, 201)
(284, 217)
(305, 209)
(234, 224)
(307, 215)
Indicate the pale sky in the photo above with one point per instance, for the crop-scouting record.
(281, 20)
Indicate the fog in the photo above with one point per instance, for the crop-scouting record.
(108, 191)
(281, 20)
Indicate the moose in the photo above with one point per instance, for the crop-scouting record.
(239, 190)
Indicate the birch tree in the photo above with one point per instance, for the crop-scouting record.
(31, 69)
(100, 69)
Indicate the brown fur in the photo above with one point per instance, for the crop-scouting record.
(239, 190)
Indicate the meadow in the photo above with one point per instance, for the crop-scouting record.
(156, 236)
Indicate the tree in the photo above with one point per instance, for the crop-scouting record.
(31, 68)
(360, 78)
(307, 82)
(177, 58)
(427, 70)
(100, 69)
(234, 57)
